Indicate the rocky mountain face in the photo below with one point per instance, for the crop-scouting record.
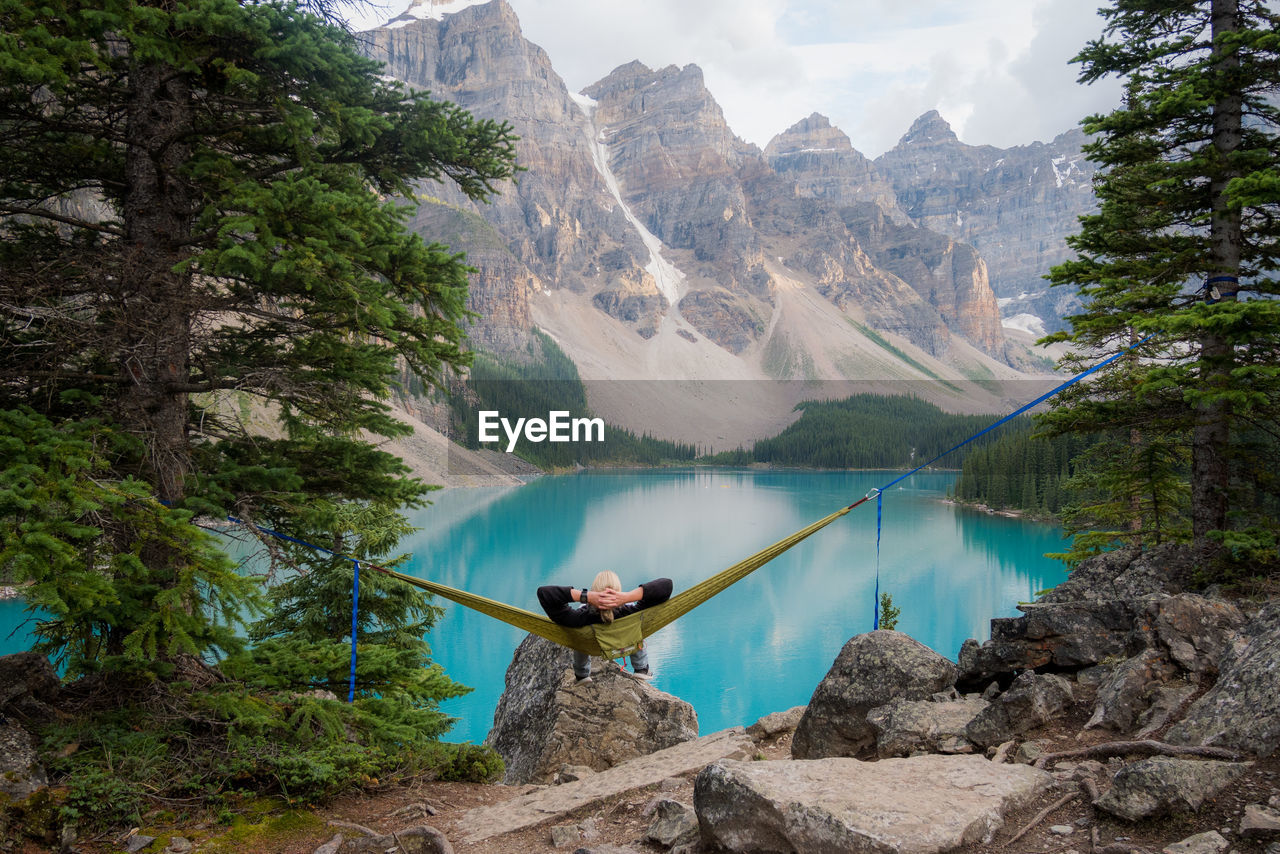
(644, 233)
(1015, 206)
(558, 225)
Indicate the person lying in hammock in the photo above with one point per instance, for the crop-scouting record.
(603, 602)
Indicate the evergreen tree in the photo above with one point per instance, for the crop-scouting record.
(200, 234)
(1182, 248)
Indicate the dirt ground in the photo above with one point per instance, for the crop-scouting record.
(624, 820)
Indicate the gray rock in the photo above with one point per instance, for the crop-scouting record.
(673, 824)
(776, 724)
(904, 727)
(1242, 710)
(914, 806)
(569, 773)
(1165, 705)
(1028, 752)
(137, 842)
(1162, 785)
(1128, 574)
(332, 846)
(1093, 677)
(20, 770)
(607, 849)
(871, 670)
(1199, 632)
(1130, 690)
(565, 835)
(1091, 617)
(1031, 701)
(28, 683)
(546, 720)
(178, 845)
(413, 840)
(1260, 822)
(1210, 842)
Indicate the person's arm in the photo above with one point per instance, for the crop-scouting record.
(555, 600)
(645, 596)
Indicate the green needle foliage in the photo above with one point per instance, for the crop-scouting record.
(206, 294)
(1187, 194)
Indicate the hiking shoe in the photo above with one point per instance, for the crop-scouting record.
(646, 674)
(582, 680)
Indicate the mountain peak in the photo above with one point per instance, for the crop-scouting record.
(930, 127)
(809, 135)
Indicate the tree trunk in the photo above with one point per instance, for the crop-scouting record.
(1210, 471)
(153, 312)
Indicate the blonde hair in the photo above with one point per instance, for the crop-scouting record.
(606, 579)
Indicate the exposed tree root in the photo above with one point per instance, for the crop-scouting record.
(1146, 748)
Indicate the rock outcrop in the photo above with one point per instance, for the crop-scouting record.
(1095, 615)
(913, 806)
(1163, 786)
(414, 840)
(1031, 701)
(904, 727)
(1242, 710)
(872, 670)
(546, 719)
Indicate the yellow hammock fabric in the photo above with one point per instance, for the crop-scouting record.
(583, 639)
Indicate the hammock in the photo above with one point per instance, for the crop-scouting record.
(651, 619)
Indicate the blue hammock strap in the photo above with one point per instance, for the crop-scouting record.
(355, 613)
(875, 602)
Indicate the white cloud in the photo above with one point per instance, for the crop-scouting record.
(997, 70)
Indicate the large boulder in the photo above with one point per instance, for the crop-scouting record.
(414, 840)
(914, 806)
(904, 727)
(1199, 632)
(1163, 785)
(1128, 574)
(1032, 700)
(546, 719)
(1130, 690)
(1094, 615)
(1242, 710)
(871, 670)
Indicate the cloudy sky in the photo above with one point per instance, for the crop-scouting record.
(998, 70)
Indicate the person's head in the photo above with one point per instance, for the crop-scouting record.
(606, 580)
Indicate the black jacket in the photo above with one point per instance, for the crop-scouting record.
(555, 600)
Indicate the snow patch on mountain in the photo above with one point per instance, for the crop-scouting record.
(669, 279)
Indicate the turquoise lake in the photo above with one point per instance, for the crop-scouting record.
(762, 645)
(765, 643)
